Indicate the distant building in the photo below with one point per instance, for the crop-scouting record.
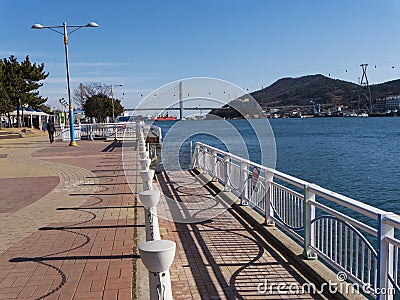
(390, 103)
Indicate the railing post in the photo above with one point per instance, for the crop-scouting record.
(78, 133)
(159, 134)
(385, 258)
(191, 154)
(91, 132)
(227, 160)
(195, 157)
(206, 166)
(269, 178)
(243, 183)
(214, 164)
(308, 216)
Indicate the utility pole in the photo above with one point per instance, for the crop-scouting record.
(365, 90)
(81, 88)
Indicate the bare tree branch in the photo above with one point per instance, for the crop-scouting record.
(87, 90)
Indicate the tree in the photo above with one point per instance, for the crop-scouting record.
(118, 108)
(21, 82)
(5, 103)
(100, 107)
(32, 75)
(85, 91)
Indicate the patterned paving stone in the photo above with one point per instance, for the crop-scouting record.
(75, 242)
(17, 193)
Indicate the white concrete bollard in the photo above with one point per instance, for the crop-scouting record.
(147, 179)
(145, 163)
(149, 199)
(144, 154)
(158, 256)
(139, 131)
(142, 148)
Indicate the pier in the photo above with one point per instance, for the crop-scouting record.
(73, 229)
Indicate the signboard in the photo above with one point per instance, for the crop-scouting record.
(254, 177)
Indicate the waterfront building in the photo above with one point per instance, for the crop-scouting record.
(390, 103)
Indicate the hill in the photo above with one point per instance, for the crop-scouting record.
(313, 88)
(302, 90)
(385, 89)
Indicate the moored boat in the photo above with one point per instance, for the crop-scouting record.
(165, 117)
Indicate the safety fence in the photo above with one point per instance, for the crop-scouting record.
(352, 237)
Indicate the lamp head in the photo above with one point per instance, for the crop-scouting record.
(37, 26)
(92, 24)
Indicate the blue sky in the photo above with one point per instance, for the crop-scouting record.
(146, 44)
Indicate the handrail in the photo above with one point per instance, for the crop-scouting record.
(340, 238)
(348, 202)
(343, 217)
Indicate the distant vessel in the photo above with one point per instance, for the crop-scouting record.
(354, 114)
(165, 117)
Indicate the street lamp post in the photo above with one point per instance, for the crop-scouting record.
(65, 34)
(112, 98)
(113, 114)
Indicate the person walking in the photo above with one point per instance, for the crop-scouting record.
(51, 129)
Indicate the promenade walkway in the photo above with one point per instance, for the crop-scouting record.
(70, 226)
(67, 221)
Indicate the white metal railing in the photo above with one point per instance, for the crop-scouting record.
(350, 236)
(108, 130)
(64, 134)
(119, 130)
(122, 130)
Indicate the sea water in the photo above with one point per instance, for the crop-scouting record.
(356, 157)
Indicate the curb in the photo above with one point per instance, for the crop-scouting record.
(141, 288)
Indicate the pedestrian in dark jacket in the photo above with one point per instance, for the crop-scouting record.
(51, 129)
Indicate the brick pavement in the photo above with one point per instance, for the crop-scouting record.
(221, 258)
(77, 240)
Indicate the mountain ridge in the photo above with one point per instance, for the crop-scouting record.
(318, 89)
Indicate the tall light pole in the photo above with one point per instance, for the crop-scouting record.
(113, 114)
(111, 86)
(112, 98)
(65, 34)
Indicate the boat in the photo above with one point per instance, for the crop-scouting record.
(165, 117)
(354, 114)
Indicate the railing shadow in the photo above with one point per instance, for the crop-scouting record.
(111, 147)
(219, 237)
(40, 259)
